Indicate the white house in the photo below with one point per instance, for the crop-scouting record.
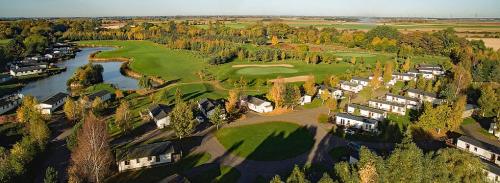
(358, 122)
(104, 95)
(366, 111)
(411, 103)
(207, 107)
(256, 104)
(433, 69)
(388, 106)
(51, 104)
(10, 102)
(305, 99)
(481, 149)
(404, 77)
(335, 92)
(24, 71)
(351, 87)
(492, 171)
(423, 96)
(147, 155)
(427, 75)
(361, 81)
(160, 115)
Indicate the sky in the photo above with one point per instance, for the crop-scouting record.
(371, 8)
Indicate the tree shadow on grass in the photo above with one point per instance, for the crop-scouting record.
(125, 138)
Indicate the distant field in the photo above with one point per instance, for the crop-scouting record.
(154, 59)
(489, 42)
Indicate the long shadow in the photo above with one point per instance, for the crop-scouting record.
(124, 139)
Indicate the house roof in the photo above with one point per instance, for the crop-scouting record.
(207, 104)
(361, 79)
(362, 107)
(386, 102)
(403, 97)
(324, 87)
(55, 98)
(159, 111)
(403, 74)
(490, 167)
(483, 145)
(8, 99)
(357, 118)
(23, 69)
(422, 92)
(148, 150)
(99, 94)
(255, 100)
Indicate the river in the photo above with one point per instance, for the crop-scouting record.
(44, 88)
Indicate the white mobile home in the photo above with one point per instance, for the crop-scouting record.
(51, 104)
(358, 122)
(335, 92)
(423, 96)
(256, 104)
(351, 87)
(147, 155)
(411, 103)
(388, 106)
(366, 111)
(160, 115)
(361, 81)
(10, 102)
(486, 151)
(404, 77)
(25, 71)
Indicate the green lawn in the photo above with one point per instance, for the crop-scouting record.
(154, 59)
(4, 41)
(99, 87)
(314, 104)
(266, 141)
(218, 174)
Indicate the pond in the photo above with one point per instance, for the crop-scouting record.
(44, 88)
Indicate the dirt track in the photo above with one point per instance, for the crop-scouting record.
(258, 65)
(293, 79)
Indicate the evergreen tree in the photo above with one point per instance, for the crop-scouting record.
(297, 176)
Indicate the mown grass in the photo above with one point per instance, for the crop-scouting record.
(266, 141)
(4, 41)
(154, 59)
(101, 86)
(221, 174)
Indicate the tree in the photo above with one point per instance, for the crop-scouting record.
(488, 101)
(325, 96)
(332, 105)
(461, 78)
(39, 131)
(326, 179)
(97, 105)
(232, 101)
(122, 116)
(454, 165)
(334, 81)
(91, 159)
(119, 94)
(50, 175)
(406, 65)
(276, 179)
(310, 86)
(377, 73)
(35, 44)
(71, 110)
(27, 110)
(346, 173)
(145, 82)
(455, 120)
(297, 176)
(178, 95)
(388, 69)
(181, 120)
(405, 164)
(274, 40)
(277, 92)
(218, 117)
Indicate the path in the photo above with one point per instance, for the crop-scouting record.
(474, 130)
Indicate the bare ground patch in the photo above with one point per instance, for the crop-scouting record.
(258, 65)
(293, 79)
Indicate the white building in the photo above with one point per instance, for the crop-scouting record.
(361, 81)
(10, 102)
(366, 111)
(388, 106)
(481, 149)
(432, 69)
(336, 93)
(351, 87)
(404, 77)
(358, 122)
(411, 103)
(423, 96)
(256, 104)
(51, 104)
(25, 71)
(492, 171)
(160, 115)
(306, 99)
(147, 155)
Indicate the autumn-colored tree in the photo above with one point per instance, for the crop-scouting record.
(277, 92)
(71, 109)
(406, 65)
(232, 101)
(462, 78)
(119, 94)
(334, 81)
(377, 73)
(297, 176)
(388, 69)
(122, 116)
(326, 179)
(488, 101)
(91, 159)
(310, 86)
(325, 96)
(353, 60)
(27, 110)
(276, 179)
(332, 105)
(97, 105)
(178, 95)
(39, 131)
(274, 41)
(455, 119)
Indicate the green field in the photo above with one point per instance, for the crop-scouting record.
(265, 70)
(153, 59)
(266, 141)
(4, 41)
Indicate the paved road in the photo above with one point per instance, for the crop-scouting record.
(473, 130)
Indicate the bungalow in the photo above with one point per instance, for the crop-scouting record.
(404, 77)
(104, 95)
(358, 122)
(361, 81)
(147, 156)
(24, 71)
(481, 149)
(10, 102)
(160, 115)
(256, 104)
(388, 106)
(366, 111)
(51, 104)
(492, 171)
(305, 99)
(335, 92)
(423, 96)
(433, 69)
(410, 103)
(207, 107)
(351, 87)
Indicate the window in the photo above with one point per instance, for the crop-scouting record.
(150, 158)
(127, 162)
(137, 160)
(157, 158)
(467, 146)
(475, 149)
